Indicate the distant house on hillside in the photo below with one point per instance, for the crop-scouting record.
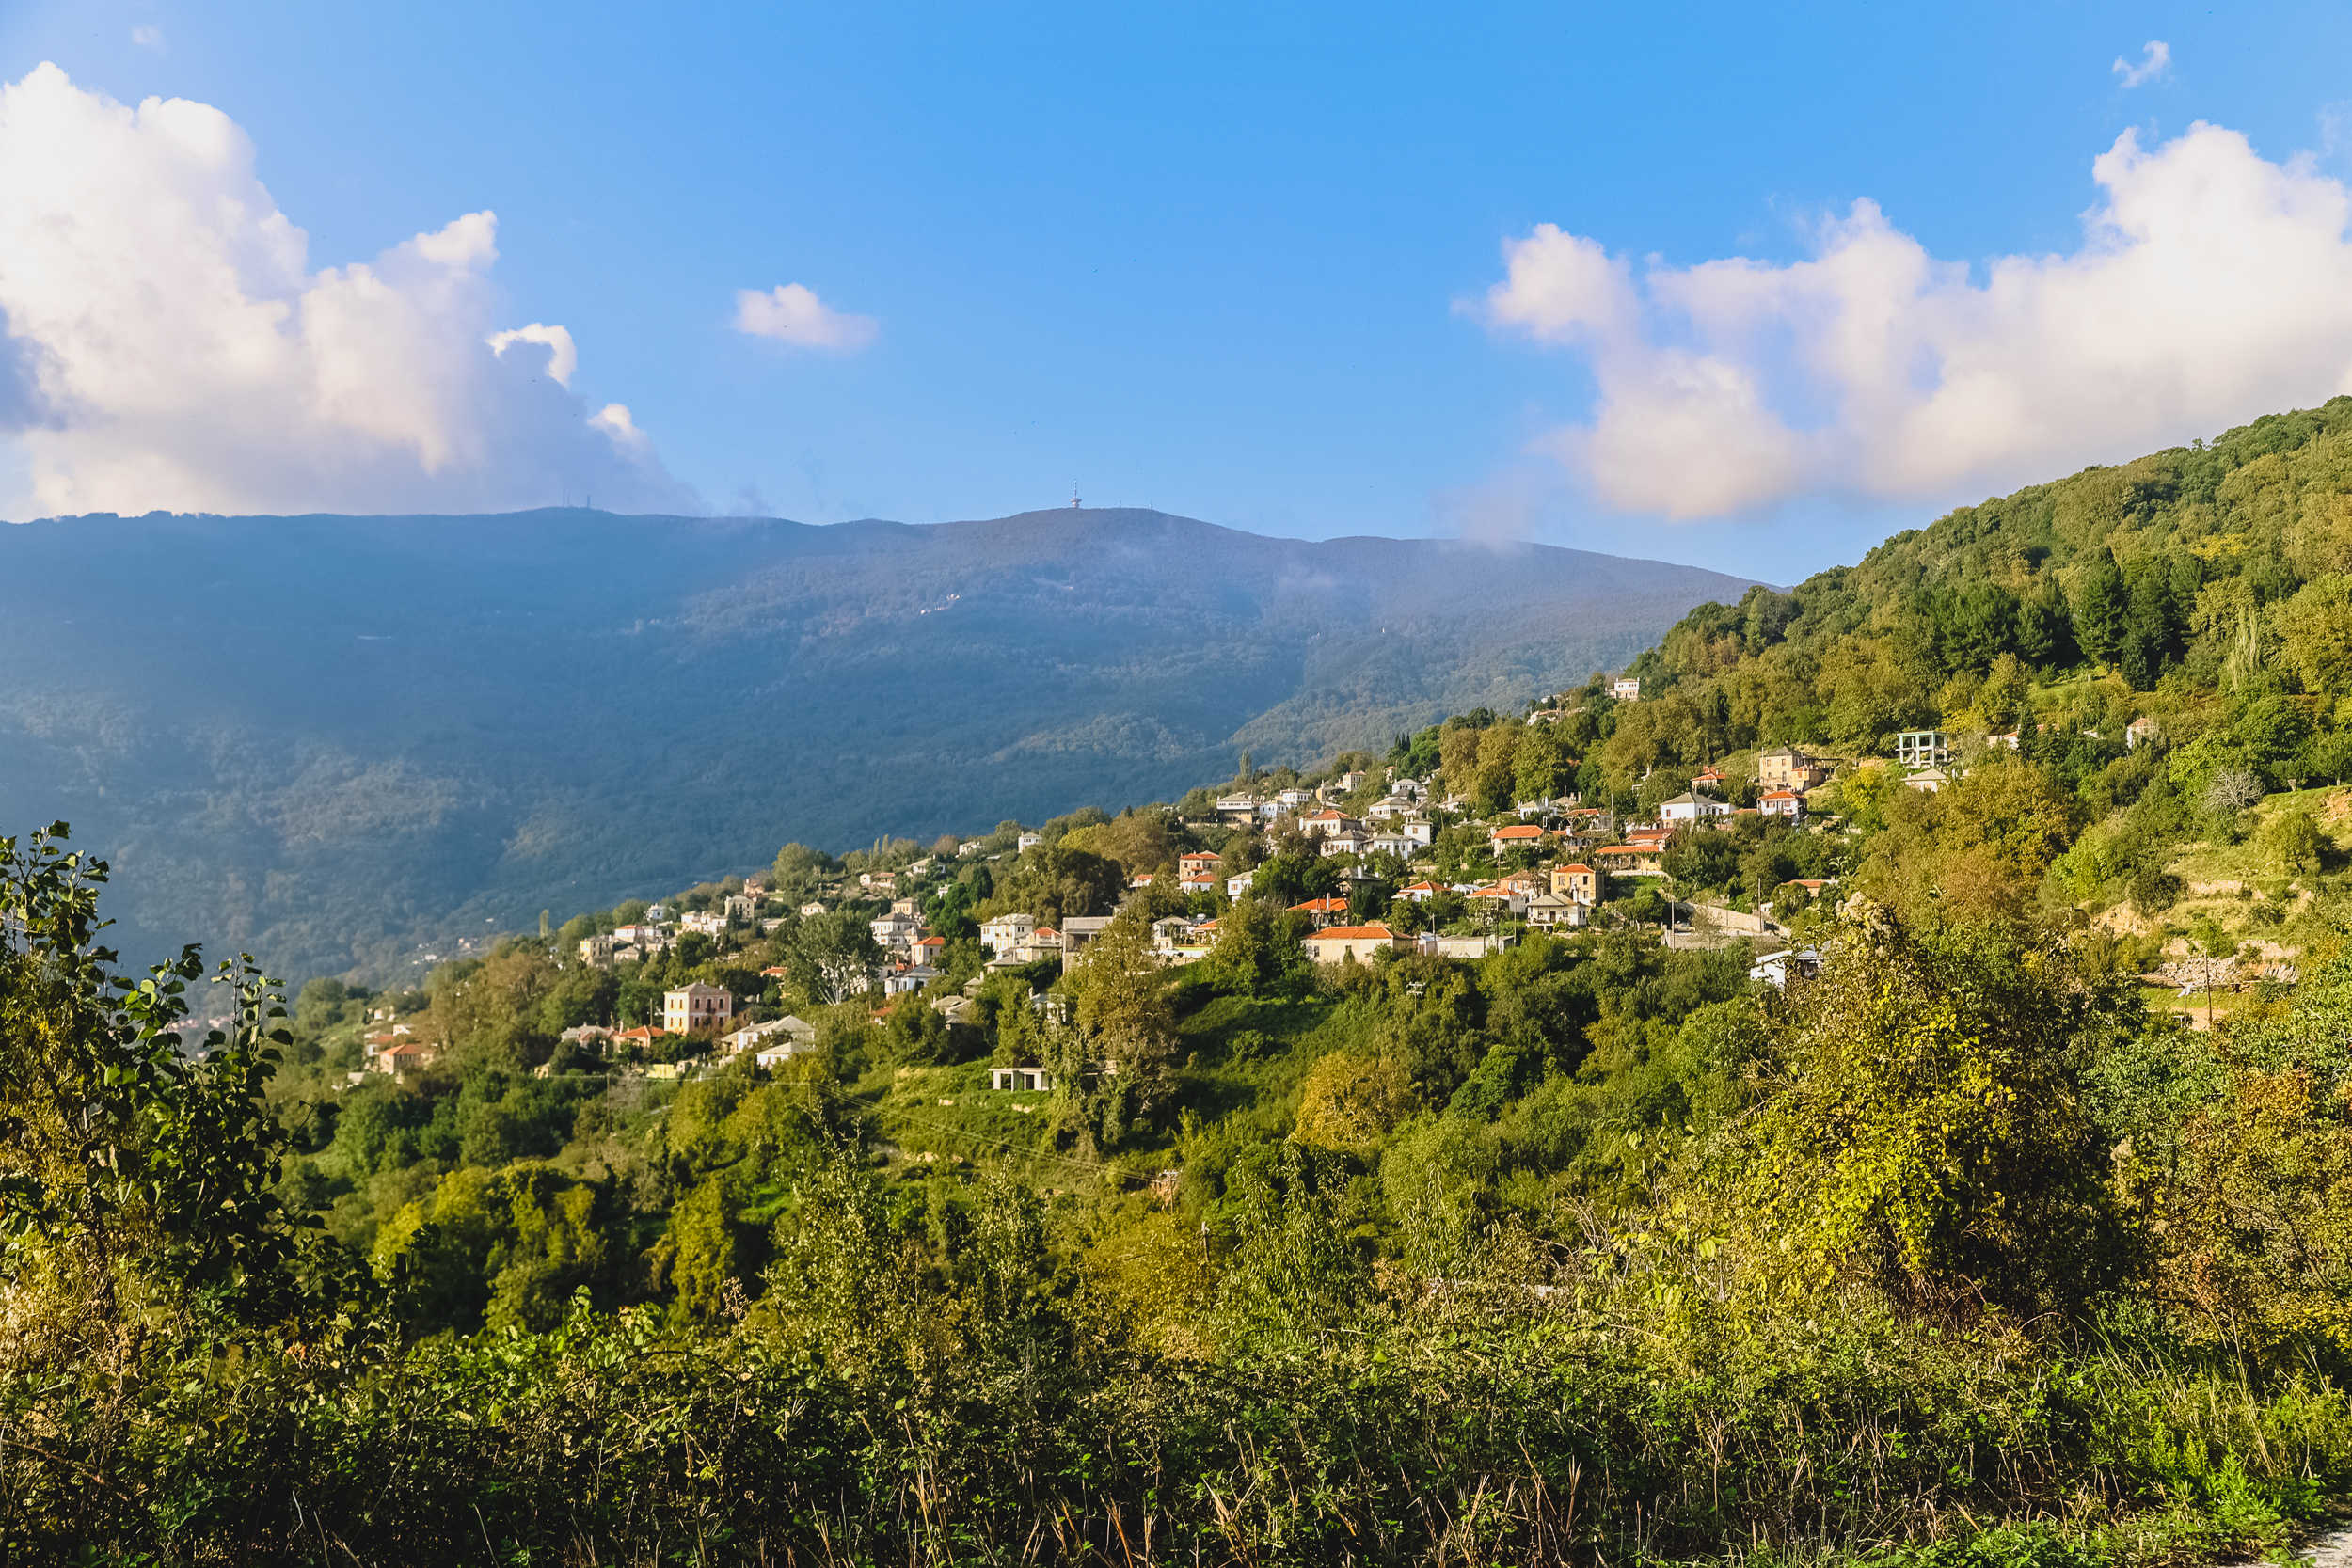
(1338, 944)
(900, 981)
(1007, 934)
(1549, 911)
(1626, 690)
(1323, 912)
(1639, 859)
(1502, 898)
(1692, 806)
(791, 1033)
(1781, 803)
(408, 1056)
(1521, 835)
(694, 1006)
(1579, 883)
(1020, 1080)
(1786, 768)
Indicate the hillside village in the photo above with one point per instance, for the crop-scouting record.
(1391, 863)
(1546, 865)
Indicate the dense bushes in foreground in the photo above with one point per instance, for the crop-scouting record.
(1515, 1434)
(1943, 1257)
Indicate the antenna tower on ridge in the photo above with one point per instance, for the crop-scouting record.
(1073, 494)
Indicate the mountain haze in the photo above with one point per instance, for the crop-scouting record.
(330, 739)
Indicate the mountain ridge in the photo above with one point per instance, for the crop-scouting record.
(336, 741)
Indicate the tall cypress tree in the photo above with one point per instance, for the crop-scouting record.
(2152, 626)
(2102, 604)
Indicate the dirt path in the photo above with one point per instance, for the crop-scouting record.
(2330, 1548)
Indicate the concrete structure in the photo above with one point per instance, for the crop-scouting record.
(1020, 1080)
(1773, 969)
(1922, 749)
(1077, 931)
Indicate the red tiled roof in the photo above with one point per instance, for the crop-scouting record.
(1320, 906)
(1354, 933)
(1523, 831)
(1586, 869)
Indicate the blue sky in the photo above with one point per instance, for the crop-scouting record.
(1228, 260)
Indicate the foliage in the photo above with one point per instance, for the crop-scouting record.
(1921, 1129)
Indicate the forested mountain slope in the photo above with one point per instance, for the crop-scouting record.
(326, 739)
(2195, 570)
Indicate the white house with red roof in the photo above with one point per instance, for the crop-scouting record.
(1339, 943)
(1781, 803)
(1519, 835)
(1502, 898)
(1419, 892)
(408, 1056)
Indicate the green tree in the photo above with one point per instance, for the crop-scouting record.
(833, 956)
(1054, 882)
(1927, 1133)
(1257, 947)
(799, 869)
(2292, 841)
(1123, 1009)
(2102, 601)
(1543, 767)
(137, 1185)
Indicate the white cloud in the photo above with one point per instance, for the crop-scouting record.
(148, 38)
(2155, 60)
(168, 345)
(563, 357)
(793, 313)
(2211, 286)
